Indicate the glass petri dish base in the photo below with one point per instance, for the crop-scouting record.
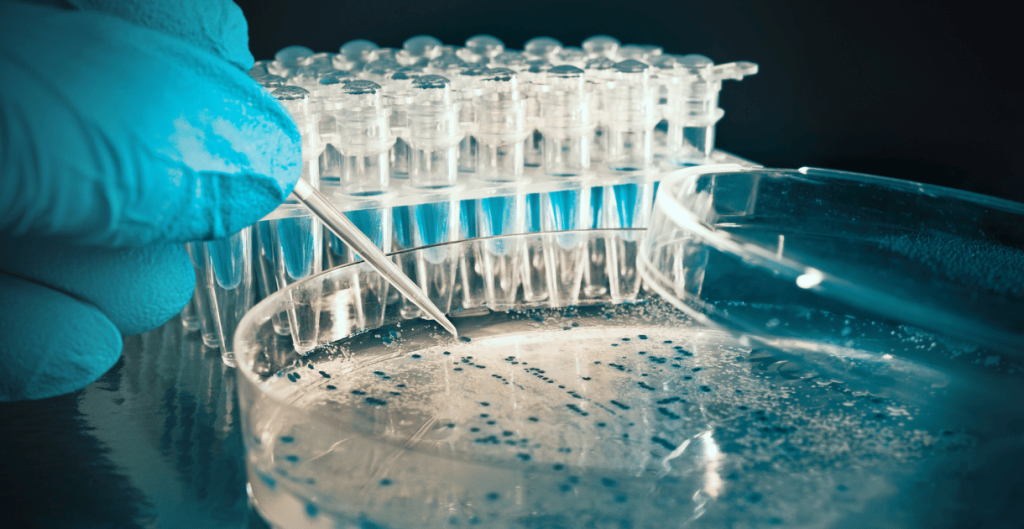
(618, 416)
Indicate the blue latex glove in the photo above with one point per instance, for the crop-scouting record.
(123, 134)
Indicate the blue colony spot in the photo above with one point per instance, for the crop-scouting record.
(311, 510)
(292, 458)
(287, 439)
(385, 482)
(663, 442)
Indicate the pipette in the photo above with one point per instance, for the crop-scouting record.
(348, 232)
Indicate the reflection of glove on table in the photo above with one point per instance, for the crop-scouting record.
(118, 142)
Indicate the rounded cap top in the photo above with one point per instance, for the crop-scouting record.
(290, 93)
(665, 62)
(312, 73)
(292, 55)
(447, 63)
(422, 46)
(600, 63)
(269, 80)
(697, 65)
(432, 89)
(601, 46)
(360, 94)
(360, 87)
(485, 45)
(639, 52)
(509, 59)
(406, 73)
(432, 82)
(382, 67)
(499, 80)
(358, 50)
(542, 47)
(631, 66)
(566, 78)
(322, 59)
(538, 66)
(571, 56)
(475, 71)
(336, 77)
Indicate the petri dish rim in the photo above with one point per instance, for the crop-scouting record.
(255, 316)
(823, 282)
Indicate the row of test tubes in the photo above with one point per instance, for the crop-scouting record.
(432, 144)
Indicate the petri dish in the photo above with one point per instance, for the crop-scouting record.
(592, 414)
(796, 258)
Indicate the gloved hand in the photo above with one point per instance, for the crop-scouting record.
(122, 135)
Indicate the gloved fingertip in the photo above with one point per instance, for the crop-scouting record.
(50, 343)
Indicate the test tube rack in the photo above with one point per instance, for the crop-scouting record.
(433, 144)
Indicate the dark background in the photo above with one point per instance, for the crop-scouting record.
(920, 90)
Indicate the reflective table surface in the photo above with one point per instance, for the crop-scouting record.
(155, 442)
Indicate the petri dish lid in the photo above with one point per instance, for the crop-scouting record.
(760, 250)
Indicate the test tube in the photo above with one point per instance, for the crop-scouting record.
(480, 49)
(190, 316)
(398, 89)
(225, 269)
(535, 84)
(694, 106)
(631, 116)
(565, 124)
(600, 72)
(325, 94)
(466, 84)
(433, 136)
(293, 237)
(471, 267)
(364, 140)
(666, 74)
(601, 46)
(501, 128)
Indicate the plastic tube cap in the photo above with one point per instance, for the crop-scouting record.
(358, 50)
(542, 47)
(485, 46)
(292, 56)
(601, 46)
